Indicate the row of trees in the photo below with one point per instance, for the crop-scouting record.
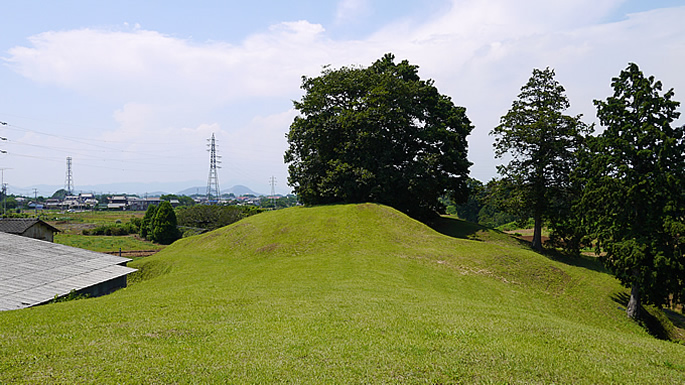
(382, 134)
(623, 189)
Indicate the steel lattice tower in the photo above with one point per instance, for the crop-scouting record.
(213, 189)
(69, 179)
(272, 182)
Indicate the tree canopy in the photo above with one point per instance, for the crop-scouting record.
(146, 222)
(634, 189)
(542, 142)
(163, 227)
(377, 134)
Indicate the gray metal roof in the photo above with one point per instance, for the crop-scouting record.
(34, 271)
(19, 225)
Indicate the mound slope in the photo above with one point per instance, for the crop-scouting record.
(340, 294)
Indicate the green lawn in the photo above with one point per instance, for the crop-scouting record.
(105, 243)
(343, 294)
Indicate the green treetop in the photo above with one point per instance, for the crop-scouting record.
(542, 142)
(378, 134)
(634, 189)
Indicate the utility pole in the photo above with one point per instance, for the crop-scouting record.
(35, 200)
(4, 189)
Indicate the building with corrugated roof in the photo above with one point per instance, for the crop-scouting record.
(28, 227)
(34, 272)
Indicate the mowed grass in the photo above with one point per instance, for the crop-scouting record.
(105, 243)
(342, 294)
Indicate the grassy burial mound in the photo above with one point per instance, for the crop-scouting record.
(342, 294)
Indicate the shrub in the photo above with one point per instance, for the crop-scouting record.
(164, 226)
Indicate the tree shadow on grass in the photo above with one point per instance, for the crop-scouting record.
(456, 228)
(578, 260)
(658, 323)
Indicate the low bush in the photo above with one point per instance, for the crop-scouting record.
(114, 229)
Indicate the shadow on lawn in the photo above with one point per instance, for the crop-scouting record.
(456, 228)
(584, 261)
(663, 324)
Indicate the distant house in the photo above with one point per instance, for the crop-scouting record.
(123, 202)
(118, 203)
(28, 227)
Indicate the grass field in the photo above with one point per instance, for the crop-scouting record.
(343, 294)
(105, 243)
(74, 223)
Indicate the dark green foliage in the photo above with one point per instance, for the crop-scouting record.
(487, 204)
(475, 202)
(634, 182)
(496, 199)
(113, 229)
(147, 221)
(212, 217)
(164, 228)
(542, 143)
(378, 134)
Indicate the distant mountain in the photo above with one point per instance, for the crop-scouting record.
(236, 190)
(137, 188)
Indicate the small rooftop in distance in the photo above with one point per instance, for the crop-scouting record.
(33, 272)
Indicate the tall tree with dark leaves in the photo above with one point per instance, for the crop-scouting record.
(164, 226)
(146, 223)
(378, 134)
(542, 143)
(634, 189)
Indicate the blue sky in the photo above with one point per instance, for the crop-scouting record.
(131, 90)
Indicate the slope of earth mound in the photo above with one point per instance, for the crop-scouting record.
(342, 294)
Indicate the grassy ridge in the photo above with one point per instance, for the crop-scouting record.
(341, 294)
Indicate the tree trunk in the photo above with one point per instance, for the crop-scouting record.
(634, 305)
(537, 233)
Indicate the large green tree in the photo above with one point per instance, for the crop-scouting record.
(146, 222)
(541, 142)
(164, 227)
(634, 189)
(378, 134)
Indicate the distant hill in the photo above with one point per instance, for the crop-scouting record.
(236, 190)
(140, 189)
(343, 294)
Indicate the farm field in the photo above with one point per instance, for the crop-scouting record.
(71, 226)
(343, 294)
(74, 223)
(104, 243)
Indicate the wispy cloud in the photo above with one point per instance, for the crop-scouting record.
(349, 11)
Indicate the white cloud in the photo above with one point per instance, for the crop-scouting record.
(350, 10)
(479, 52)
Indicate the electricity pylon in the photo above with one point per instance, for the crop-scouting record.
(213, 180)
(69, 178)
